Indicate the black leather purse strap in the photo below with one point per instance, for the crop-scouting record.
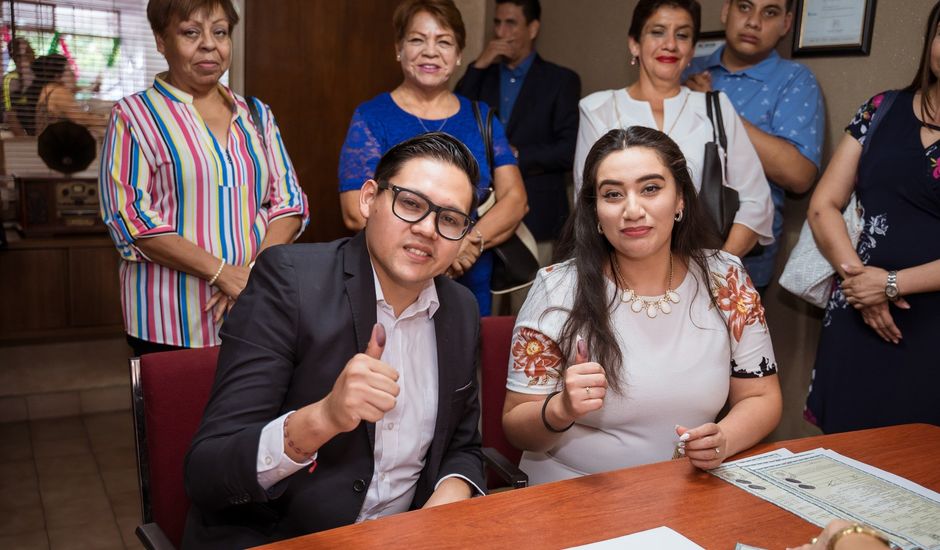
(256, 119)
(713, 106)
(486, 131)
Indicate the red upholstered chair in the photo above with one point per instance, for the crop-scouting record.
(502, 459)
(170, 391)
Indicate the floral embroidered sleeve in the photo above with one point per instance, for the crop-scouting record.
(858, 127)
(752, 354)
(535, 358)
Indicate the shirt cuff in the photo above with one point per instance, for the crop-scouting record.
(273, 464)
(149, 234)
(473, 486)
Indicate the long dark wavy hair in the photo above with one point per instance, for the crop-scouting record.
(925, 79)
(693, 240)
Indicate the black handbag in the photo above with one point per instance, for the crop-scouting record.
(515, 261)
(720, 201)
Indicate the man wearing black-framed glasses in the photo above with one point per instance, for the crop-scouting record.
(356, 358)
(412, 207)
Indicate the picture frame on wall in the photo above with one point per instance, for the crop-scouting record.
(833, 27)
(708, 42)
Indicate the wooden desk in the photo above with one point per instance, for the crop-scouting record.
(698, 505)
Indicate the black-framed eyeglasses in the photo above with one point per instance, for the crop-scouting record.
(412, 207)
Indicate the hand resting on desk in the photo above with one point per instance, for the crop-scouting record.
(840, 534)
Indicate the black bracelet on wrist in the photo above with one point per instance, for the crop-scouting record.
(545, 420)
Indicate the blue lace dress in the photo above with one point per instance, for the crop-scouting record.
(859, 380)
(379, 124)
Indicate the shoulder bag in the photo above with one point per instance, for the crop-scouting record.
(808, 274)
(720, 201)
(515, 261)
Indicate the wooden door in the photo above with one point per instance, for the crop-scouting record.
(314, 61)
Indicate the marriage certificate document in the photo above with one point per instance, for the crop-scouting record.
(821, 485)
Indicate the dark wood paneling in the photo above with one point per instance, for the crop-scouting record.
(54, 289)
(313, 61)
(34, 285)
(94, 289)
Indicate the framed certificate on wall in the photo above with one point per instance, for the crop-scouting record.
(833, 27)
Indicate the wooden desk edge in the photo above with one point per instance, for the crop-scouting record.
(792, 531)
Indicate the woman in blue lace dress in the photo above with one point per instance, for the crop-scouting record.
(877, 362)
(430, 37)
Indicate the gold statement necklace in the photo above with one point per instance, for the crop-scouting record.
(639, 303)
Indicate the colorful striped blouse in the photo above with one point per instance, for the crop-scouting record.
(163, 172)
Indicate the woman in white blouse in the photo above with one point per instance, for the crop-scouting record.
(662, 41)
(625, 353)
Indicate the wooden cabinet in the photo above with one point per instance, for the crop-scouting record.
(59, 288)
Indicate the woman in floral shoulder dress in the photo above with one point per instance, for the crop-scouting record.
(625, 353)
(877, 364)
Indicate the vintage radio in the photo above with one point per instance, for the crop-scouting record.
(58, 206)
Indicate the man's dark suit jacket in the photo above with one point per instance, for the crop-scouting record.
(544, 128)
(307, 309)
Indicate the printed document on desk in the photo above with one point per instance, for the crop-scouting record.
(908, 513)
(739, 474)
(661, 538)
(820, 485)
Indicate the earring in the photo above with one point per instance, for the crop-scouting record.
(458, 62)
(398, 56)
(599, 229)
(633, 61)
(679, 215)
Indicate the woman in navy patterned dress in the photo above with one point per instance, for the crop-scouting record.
(877, 362)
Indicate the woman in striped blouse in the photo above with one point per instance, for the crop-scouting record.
(195, 183)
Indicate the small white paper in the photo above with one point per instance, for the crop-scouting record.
(661, 538)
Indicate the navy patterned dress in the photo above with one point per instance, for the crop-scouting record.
(859, 380)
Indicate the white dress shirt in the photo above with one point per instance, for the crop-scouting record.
(685, 120)
(404, 434)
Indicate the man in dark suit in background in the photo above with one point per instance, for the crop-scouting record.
(346, 386)
(537, 102)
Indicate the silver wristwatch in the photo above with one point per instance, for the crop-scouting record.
(891, 287)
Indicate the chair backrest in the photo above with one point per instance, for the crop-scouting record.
(495, 341)
(170, 392)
